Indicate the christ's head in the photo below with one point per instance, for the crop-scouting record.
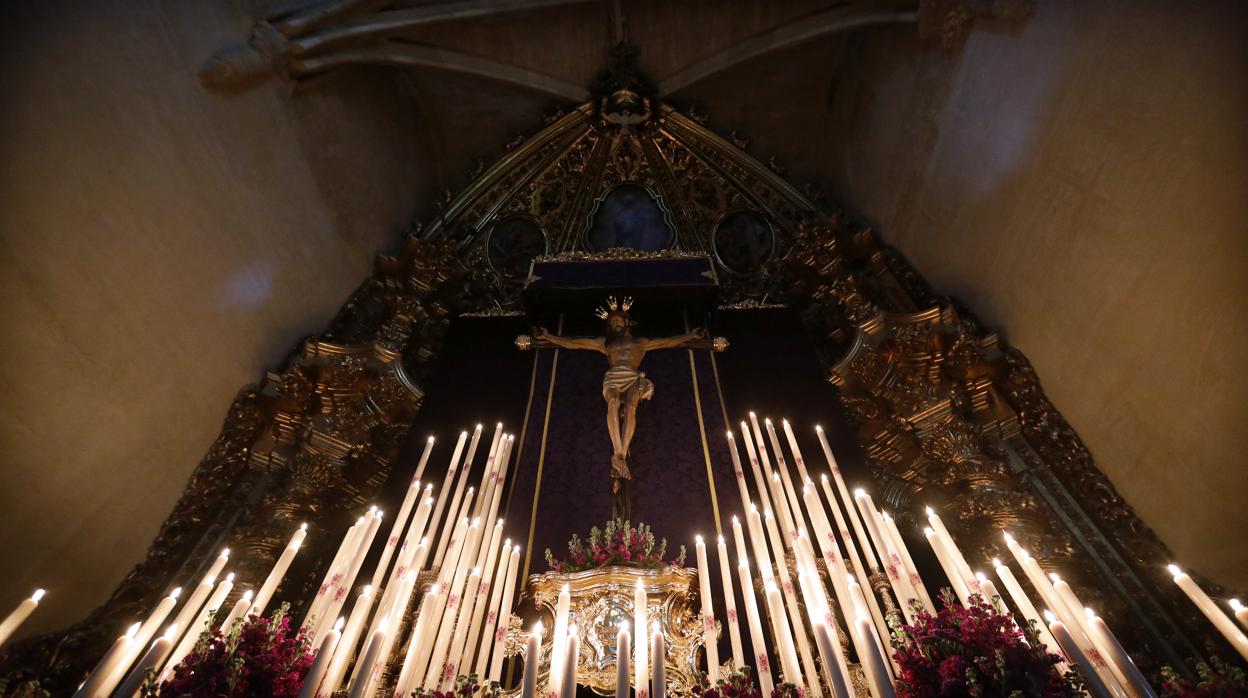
(618, 323)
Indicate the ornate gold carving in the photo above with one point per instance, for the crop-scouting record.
(602, 598)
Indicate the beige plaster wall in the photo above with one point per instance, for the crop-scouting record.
(1083, 185)
(160, 245)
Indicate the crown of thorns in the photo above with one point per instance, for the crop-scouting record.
(614, 306)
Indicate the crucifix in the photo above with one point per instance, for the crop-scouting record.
(625, 385)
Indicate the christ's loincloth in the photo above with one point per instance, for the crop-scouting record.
(620, 380)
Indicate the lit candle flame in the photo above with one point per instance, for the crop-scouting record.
(38, 595)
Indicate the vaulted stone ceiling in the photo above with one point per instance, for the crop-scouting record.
(1077, 179)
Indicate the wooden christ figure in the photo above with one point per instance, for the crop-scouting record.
(625, 385)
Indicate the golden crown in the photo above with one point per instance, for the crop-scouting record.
(614, 306)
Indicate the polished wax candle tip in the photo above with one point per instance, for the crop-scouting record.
(38, 595)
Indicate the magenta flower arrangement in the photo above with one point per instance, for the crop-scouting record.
(258, 657)
(1216, 679)
(620, 543)
(976, 651)
(739, 684)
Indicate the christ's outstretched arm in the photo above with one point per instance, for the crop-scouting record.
(678, 342)
(590, 343)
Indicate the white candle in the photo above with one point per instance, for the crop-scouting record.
(278, 572)
(1071, 649)
(872, 660)
(955, 554)
(417, 647)
(559, 639)
(658, 675)
(456, 509)
(148, 629)
(990, 594)
(190, 610)
(1136, 684)
(572, 655)
(503, 618)
(1023, 603)
(341, 590)
(737, 471)
(896, 575)
(460, 638)
(783, 638)
(1241, 612)
(489, 473)
(150, 660)
(101, 679)
(641, 622)
(791, 508)
(709, 633)
(334, 572)
(797, 452)
(444, 495)
(345, 647)
(760, 482)
(424, 459)
(396, 529)
(200, 624)
(946, 564)
(19, 615)
(1215, 615)
(848, 503)
(454, 598)
(758, 541)
(623, 671)
(758, 643)
(907, 563)
(371, 662)
(236, 613)
(218, 564)
(778, 501)
(730, 603)
(829, 654)
(481, 605)
(490, 619)
(790, 598)
(312, 680)
(532, 660)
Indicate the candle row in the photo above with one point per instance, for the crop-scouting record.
(797, 522)
(470, 633)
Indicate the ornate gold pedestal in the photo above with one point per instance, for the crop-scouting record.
(602, 598)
